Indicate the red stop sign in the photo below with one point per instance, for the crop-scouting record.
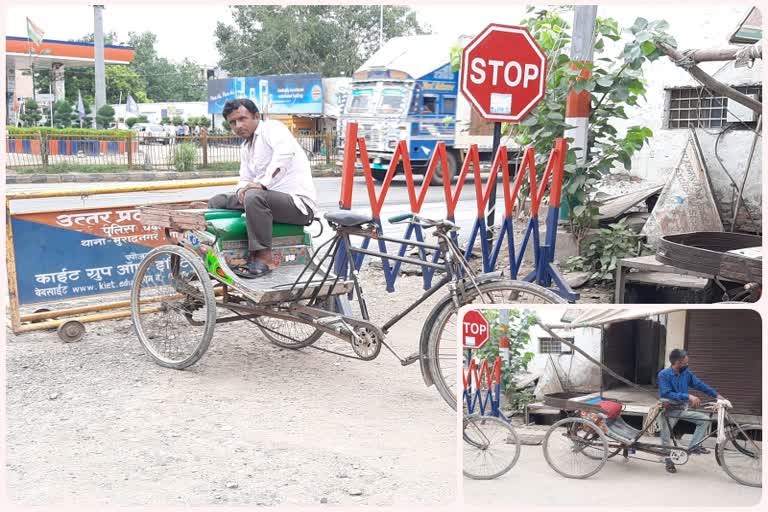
(475, 330)
(503, 73)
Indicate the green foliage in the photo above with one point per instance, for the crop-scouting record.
(184, 157)
(613, 84)
(63, 114)
(122, 81)
(69, 132)
(133, 120)
(225, 125)
(177, 121)
(602, 254)
(31, 115)
(164, 80)
(105, 116)
(165, 120)
(329, 39)
(203, 122)
(516, 330)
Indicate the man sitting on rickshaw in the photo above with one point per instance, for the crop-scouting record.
(275, 183)
(674, 383)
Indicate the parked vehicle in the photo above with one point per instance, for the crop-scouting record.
(147, 133)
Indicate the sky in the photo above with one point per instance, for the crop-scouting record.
(182, 31)
(187, 31)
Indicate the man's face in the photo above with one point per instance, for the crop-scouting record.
(681, 363)
(242, 122)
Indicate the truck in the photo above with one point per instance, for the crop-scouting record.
(408, 90)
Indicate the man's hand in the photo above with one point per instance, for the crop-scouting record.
(242, 191)
(694, 400)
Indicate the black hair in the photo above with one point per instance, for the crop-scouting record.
(677, 354)
(232, 105)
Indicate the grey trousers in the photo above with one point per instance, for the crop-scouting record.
(262, 208)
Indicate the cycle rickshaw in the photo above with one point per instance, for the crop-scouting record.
(593, 431)
(178, 289)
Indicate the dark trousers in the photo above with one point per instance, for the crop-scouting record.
(262, 208)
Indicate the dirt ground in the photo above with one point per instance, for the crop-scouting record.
(622, 482)
(97, 422)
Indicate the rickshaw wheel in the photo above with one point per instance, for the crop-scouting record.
(291, 335)
(564, 445)
(739, 457)
(173, 306)
(438, 336)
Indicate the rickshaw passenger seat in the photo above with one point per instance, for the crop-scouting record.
(621, 429)
(230, 225)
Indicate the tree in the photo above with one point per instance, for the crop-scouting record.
(122, 81)
(164, 80)
(63, 114)
(178, 121)
(516, 332)
(328, 39)
(31, 116)
(165, 120)
(105, 116)
(203, 122)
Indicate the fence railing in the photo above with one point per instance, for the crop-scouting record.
(144, 151)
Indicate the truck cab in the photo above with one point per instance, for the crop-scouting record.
(405, 91)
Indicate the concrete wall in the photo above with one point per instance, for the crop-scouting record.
(675, 334)
(693, 26)
(583, 374)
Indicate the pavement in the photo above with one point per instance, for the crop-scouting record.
(622, 483)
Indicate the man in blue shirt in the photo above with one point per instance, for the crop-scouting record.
(673, 385)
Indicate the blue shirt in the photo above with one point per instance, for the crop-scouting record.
(675, 386)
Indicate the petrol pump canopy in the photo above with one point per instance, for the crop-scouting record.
(574, 318)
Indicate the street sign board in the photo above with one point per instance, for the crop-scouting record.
(503, 73)
(475, 330)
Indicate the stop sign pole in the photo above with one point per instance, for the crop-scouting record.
(503, 75)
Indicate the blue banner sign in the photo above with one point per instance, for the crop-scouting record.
(273, 94)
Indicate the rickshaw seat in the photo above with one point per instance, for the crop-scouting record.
(230, 225)
(610, 408)
(622, 430)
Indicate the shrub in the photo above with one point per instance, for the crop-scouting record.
(177, 121)
(184, 157)
(12, 131)
(63, 114)
(105, 116)
(165, 120)
(31, 115)
(601, 257)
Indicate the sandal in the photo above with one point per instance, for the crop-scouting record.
(252, 270)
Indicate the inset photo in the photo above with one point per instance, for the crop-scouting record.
(580, 406)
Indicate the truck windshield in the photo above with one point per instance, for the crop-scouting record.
(361, 101)
(392, 100)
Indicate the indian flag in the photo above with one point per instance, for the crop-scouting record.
(34, 32)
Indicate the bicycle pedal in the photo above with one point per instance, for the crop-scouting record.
(411, 359)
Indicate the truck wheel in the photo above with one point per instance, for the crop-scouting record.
(379, 174)
(439, 177)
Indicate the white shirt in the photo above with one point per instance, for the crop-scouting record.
(273, 147)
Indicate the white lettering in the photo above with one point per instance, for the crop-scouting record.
(519, 73)
(496, 65)
(531, 73)
(478, 71)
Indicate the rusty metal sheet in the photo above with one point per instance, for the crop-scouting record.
(712, 253)
(686, 203)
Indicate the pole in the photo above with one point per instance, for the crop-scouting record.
(98, 38)
(491, 218)
(578, 104)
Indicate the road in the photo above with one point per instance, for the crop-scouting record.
(97, 423)
(531, 482)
